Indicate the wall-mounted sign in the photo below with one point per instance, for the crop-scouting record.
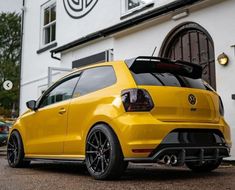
(79, 8)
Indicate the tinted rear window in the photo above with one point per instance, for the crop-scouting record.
(168, 79)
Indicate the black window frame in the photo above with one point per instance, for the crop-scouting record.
(55, 85)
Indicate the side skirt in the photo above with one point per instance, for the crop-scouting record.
(64, 160)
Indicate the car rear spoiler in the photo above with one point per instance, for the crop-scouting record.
(145, 64)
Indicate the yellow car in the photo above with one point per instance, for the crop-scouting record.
(145, 109)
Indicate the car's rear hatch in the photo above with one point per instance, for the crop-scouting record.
(177, 91)
(172, 104)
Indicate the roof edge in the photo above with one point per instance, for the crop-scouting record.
(125, 25)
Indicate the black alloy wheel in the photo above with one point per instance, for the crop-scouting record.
(104, 158)
(98, 152)
(12, 150)
(15, 151)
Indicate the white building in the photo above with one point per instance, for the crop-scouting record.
(11, 5)
(67, 33)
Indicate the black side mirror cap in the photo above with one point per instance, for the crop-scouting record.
(31, 105)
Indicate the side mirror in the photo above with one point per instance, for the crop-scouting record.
(31, 105)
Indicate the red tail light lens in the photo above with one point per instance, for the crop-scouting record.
(4, 129)
(137, 100)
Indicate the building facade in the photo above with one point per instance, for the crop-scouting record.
(65, 34)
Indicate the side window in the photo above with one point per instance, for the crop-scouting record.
(95, 79)
(60, 93)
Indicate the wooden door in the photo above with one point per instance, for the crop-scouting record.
(193, 45)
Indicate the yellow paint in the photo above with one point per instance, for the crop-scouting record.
(48, 134)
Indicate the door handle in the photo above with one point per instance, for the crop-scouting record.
(62, 111)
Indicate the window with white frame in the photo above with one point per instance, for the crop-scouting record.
(48, 23)
(133, 5)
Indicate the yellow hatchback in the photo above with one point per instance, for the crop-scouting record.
(145, 109)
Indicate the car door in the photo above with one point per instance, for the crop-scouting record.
(88, 95)
(47, 126)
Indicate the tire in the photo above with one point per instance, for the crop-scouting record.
(104, 158)
(15, 151)
(206, 167)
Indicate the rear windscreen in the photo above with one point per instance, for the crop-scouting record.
(168, 79)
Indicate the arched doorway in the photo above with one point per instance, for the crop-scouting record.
(191, 42)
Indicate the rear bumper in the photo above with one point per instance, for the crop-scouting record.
(142, 131)
(187, 154)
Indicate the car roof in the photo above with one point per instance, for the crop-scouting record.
(96, 65)
(76, 70)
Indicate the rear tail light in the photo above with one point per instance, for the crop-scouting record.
(137, 100)
(221, 107)
(4, 129)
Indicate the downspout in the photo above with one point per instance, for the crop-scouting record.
(54, 57)
(21, 49)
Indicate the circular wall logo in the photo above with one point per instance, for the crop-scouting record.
(79, 8)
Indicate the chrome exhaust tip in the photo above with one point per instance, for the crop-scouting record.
(173, 160)
(167, 160)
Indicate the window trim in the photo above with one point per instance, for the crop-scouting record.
(56, 84)
(42, 44)
(125, 12)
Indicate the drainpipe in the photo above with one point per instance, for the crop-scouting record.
(21, 48)
(54, 57)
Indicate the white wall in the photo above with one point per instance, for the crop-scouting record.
(34, 66)
(11, 5)
(105, 14)
(87, 50)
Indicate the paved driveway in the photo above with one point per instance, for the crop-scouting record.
(56, 176)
